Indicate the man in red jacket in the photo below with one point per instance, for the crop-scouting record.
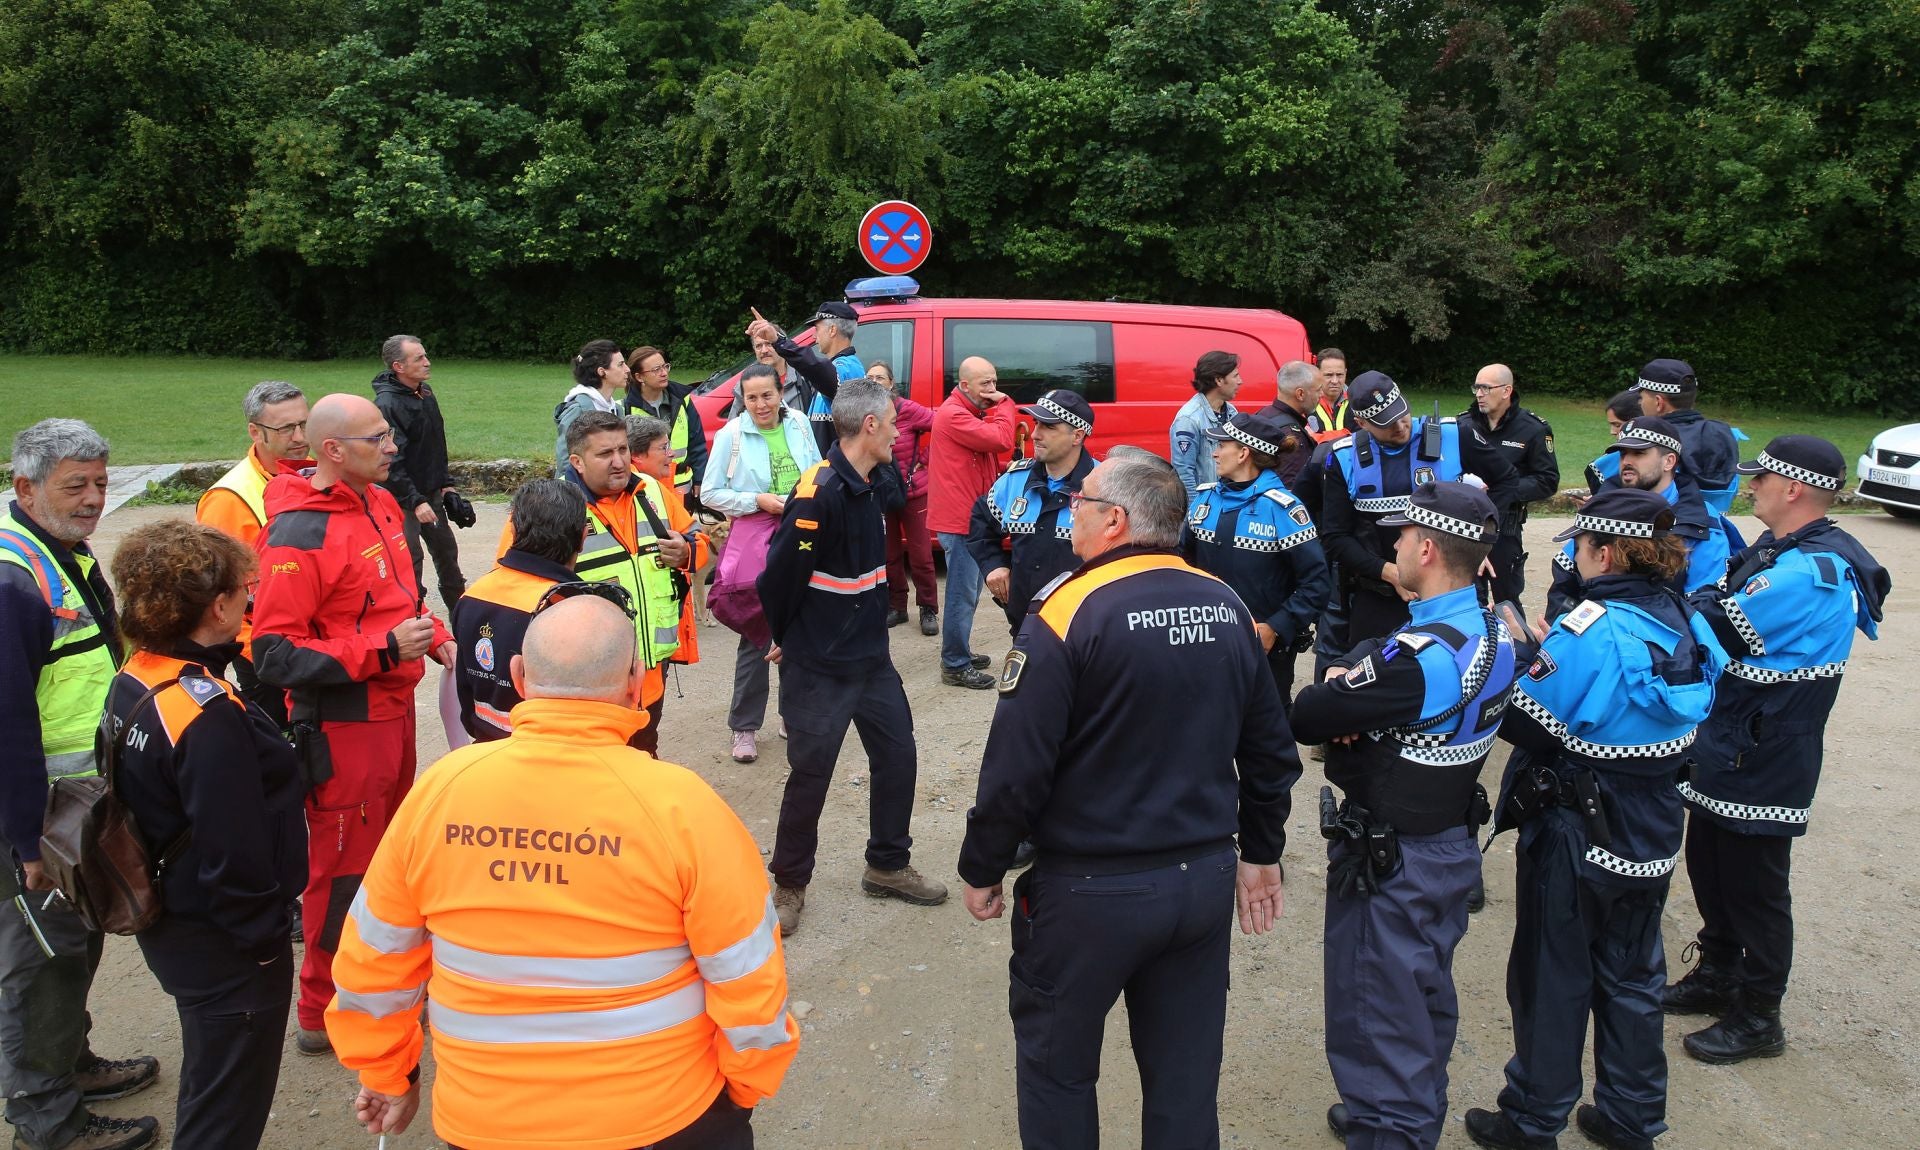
(339, 623)
(972, 436)
(909, 546)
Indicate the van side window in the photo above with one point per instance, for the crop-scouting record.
(892, 341)
(1034, 356)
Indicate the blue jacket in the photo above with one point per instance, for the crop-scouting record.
(1409, 771)
(1261, 541)
(1701, 528)
(1712, 452)
(1031, 509)
(1188, 446)
(733, 477)
(1786, 612)
(1617, 690)
(821, 383)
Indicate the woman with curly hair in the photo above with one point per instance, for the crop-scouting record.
(217, 794)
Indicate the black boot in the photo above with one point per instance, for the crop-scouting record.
(1751, 1030)
(1493, 1128)
(1707, 989)
(1337, 1120)
(1477, 897)
(1603, 1130)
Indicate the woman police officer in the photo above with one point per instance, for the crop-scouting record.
(217, 795)
(1599, 722)
(1257, 537)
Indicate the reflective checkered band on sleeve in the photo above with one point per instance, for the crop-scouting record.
(1743, 626)
(1248, 439)
(1203, 534)
(1537, 711)
(1622, 527)
(1387, 399)
(1464, 528)
(1562, 560)
(1607, 860)
(1055, 409)
(1754, 674)
(1656, 385)
(1742, 811)
(1795, 471)
(1385, 504)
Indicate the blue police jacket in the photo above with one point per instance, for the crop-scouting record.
(1704, 532)
(1422, 750)
(1712, 452)
(1029, 507)
(1618, 689)
(821, 379)
(1366, 479)
(1259, 538)
(1786, 612)
(1133, 690)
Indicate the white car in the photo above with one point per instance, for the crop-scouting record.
(1890, 471)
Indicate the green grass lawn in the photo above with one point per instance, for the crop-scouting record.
(164, 410)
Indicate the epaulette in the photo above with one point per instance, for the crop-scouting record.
(201, 689)
(1279, 495)
(1580, 618)
(1206, 487)
(1040, 598)
(1020, 464)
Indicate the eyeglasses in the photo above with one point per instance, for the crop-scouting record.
(1484, 388)
(283, 429)
(661, 370)
(1076, 498)
(384, 437)
(611, 592)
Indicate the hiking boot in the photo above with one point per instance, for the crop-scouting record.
(746, 747)
(1337, 1120)
(967, 677)
(1751, 1030)
(929, 622)
(1477, 897)
(906, 884)
(895, 618)
(788, 902)
(103, 1133)
(1494, 1129)
(312, 1043)
(980, 662)
(1605, 1131)
(1707, 989)
(105, 1079)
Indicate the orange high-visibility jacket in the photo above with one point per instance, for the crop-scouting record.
(591, 931)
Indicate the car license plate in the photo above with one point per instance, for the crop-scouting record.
(1891, 478)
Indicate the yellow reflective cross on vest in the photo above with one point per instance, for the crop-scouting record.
(604, 559)
(71, 694)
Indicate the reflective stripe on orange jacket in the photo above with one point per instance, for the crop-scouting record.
(591, 931)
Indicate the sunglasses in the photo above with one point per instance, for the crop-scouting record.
(611, 592)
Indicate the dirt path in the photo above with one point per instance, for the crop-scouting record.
(907, 1042)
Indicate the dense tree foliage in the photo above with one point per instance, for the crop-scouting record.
(1572, 187)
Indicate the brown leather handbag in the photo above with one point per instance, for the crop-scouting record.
(93, 851)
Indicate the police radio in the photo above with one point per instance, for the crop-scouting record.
(1430, 447)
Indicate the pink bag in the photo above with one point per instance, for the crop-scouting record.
(733, 598)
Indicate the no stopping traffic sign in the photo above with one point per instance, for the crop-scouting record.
(895, 237)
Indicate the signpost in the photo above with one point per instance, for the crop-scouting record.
(895, 237)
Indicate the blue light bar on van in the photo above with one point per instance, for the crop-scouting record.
(882, 288)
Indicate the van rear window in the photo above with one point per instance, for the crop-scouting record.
(1034, 356)
(889, 342)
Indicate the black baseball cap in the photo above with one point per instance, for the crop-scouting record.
(1453, 507)
(1648, 431)
(1259, 432)
(1626, 511)
(833, 310)
(1062, 406)
(1808, 458)
(1665, 376)
(1375, 398)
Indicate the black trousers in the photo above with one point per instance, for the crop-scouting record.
(1583, 949)
(229, 1064)
(1746, 907)
(725, 1125)
(438, 538)
(1509, 568)
(647, 738)
(1160, 937)
(1280, 662)
(818, 708)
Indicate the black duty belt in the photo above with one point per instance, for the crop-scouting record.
(1537, 790)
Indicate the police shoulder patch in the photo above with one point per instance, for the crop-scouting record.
(1754, 585)
(1010, 672)
(1542, 666)
(1583, 616)
(1364, 673)
(1301, 516)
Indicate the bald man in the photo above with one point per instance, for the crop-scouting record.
(1524, 440)
(339, 624)
(485, 887)
(972, 438)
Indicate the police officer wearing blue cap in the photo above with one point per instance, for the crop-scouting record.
(1252, 532)
(1787, 612)
(1372, 474)
(1412, 718)
(1599, 724)
(823, 365)
(1136, 816)
(1652, 459)
(1668, 389)
(1029, 505)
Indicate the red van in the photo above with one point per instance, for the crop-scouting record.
(1132, 361)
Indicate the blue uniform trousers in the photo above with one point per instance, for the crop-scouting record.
(1583, 948)
(1158, 936)
(1390, 1004)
